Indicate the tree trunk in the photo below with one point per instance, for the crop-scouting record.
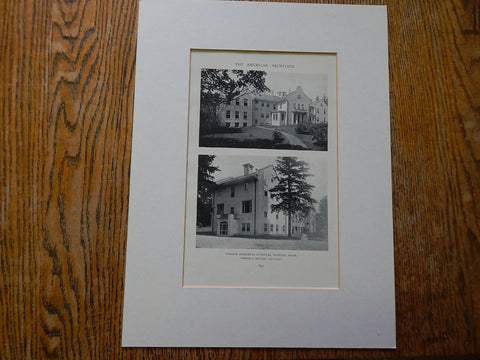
(289, 224)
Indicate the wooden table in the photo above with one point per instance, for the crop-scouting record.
(66, 90)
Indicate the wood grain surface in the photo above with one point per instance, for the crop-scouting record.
(66, 100)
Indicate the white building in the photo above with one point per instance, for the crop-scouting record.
(242, 206)
(266, 109)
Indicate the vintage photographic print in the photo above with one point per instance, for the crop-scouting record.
(263, 109)
(261, 202)
(261, 194)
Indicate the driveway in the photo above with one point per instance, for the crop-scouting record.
(292, 139)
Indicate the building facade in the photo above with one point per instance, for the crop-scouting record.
(265, 109)
(242, 206)
(238, 113)
(319, 111)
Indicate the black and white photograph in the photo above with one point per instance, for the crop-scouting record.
(261, 202)
(263, 109)
(261, 193)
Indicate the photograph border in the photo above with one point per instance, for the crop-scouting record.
(278, 152)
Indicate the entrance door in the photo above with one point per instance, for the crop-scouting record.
(224, 228)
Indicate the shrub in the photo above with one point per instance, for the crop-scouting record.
(277, 137)
(320, 134)
(304, 128)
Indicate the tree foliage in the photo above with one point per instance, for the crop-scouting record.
(322, 218)
(220, 87)
(292, 191)
(206, 186)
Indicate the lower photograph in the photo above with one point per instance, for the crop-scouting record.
(261, 220)
(261, 202)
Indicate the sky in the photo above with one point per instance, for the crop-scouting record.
(232, 166)
(312, 84)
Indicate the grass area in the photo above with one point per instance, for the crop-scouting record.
(306, 138)
(322, 236)
(269, 237)
(250, 137)
(259, 138)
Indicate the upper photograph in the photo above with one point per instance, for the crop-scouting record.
(263, 110)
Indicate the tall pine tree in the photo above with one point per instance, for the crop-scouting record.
(206, 186)
(293, 192)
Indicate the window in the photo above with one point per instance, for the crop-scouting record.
(265, 227)
(256, 101)
(237, 101)
(263, 104)
(263, 115)
(256, 122)
(266, 193)
(283, 228)
(276, 228)
(245, 115)
(245, 102)
(227, 114)
(268, 116)
(237, 114)
(244, 124)
(265, 214)
(247, 206)
(271, 227)
(232, 191)
(219, 209)
(246, 186)
(276, 216)
(268, 104)
(237, 124)
(298, 96)
(232, 210)
(227, 124)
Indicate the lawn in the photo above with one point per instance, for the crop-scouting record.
(259, 138)
(249, 137)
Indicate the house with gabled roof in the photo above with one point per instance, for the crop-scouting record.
(284, 108)
(242, 206)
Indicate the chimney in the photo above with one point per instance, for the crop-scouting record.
(247, 168)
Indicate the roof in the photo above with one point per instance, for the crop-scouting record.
(240, 179)
(237, 180)
(319, 101)
(268, 97)
(298, 90)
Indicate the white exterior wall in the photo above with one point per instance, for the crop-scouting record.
(227, 112)
(261, 220)
(241, 194)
